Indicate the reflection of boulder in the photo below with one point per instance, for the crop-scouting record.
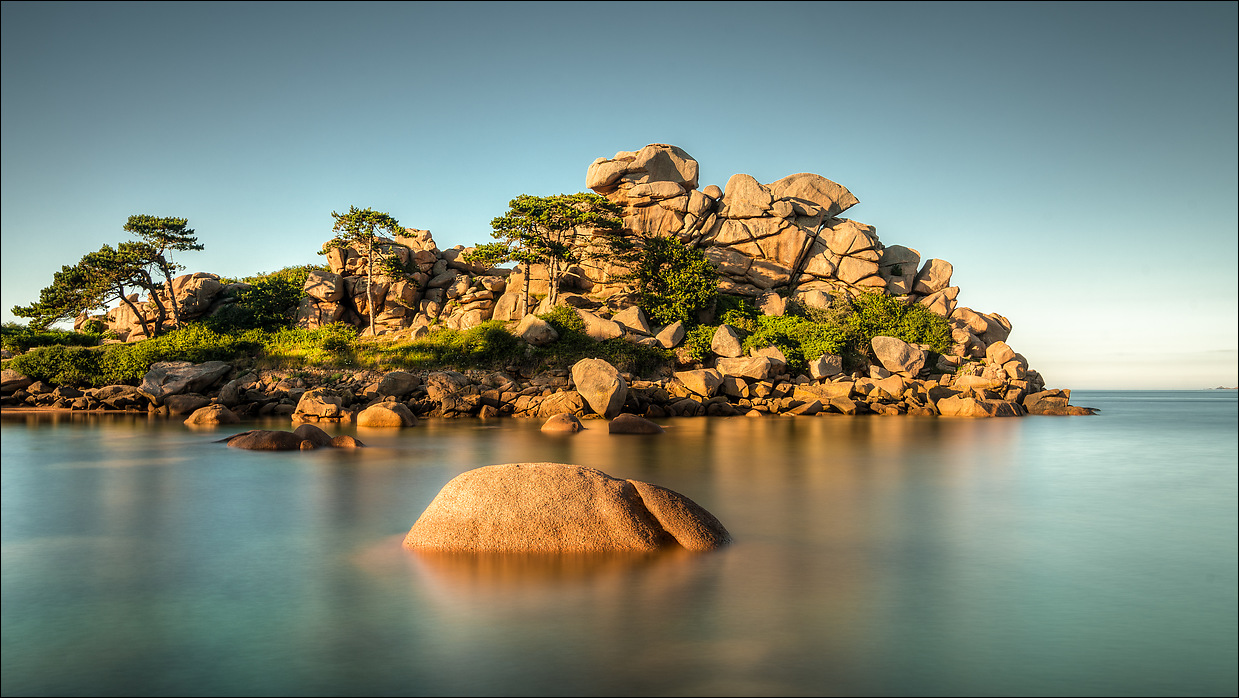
(557, 508)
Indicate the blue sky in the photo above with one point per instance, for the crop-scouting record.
(1075, 162)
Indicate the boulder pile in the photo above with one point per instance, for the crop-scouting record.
(198, 295)
(438, 286)
(781, 240)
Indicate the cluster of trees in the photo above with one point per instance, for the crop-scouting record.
(114, 273)
(557, 232)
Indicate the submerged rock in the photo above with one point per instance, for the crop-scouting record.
(212, 414)
(632, 424)
(559, 508)
(265, 440)
(563, 422)
(386, 414)
(306, 437)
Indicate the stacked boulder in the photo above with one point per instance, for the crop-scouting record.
(785, 237)
(198, 295)
(436, 286)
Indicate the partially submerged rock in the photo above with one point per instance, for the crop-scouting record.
(386, 414)
(632, 424)
(265, 440)
(559, 508)
(305, 438)
(563, 422)
(601, 385)
(212, 414)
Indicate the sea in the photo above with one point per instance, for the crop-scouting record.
(1072, 556)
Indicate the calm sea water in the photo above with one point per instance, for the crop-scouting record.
(874, 555)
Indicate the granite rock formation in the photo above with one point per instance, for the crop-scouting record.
(557, 508)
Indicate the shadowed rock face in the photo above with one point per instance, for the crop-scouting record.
(633, 424)
(305, 438)
(563, 422)
(558, 508)
(266, 440)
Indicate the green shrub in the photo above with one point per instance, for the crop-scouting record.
(59, 365)
(880, 315)
(799, 339)
(488, 345)
(573, 345)
(674, 281)
(19, 338)
(268, 304)
(127, 363)
(739, 312)
(697, 341)
(334, 344)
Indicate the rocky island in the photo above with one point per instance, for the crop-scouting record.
(786, 278)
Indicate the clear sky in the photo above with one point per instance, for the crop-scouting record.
(1076, 163)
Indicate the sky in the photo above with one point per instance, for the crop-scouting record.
(1075, 162)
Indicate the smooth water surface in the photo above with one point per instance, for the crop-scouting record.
(873, 555)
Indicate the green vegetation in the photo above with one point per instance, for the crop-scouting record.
(845, 328)
(361, 227)
(19, 338)
(804, 334)
(491, 347)
(268, 304)
(674, 281)
(550, 230)
(97, 279)
(697, 342)
(111, 274)
(127, 363)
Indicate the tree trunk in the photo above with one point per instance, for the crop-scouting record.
(552, 281)
(146, 329)
(167, 280)
(528, 273)
(152, 293)
(369, 284)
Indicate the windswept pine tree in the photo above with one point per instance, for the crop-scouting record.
(361, 227)
(165, 235)
(548, 230)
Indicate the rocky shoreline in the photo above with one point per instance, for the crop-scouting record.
(755, 385)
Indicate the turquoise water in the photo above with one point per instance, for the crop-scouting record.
(873, 555)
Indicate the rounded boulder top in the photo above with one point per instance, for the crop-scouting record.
(560, 508)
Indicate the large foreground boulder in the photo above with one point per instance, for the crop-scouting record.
(558, 508)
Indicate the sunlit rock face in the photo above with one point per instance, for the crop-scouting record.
(558, 508)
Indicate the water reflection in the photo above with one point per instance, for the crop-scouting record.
(871, 556)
